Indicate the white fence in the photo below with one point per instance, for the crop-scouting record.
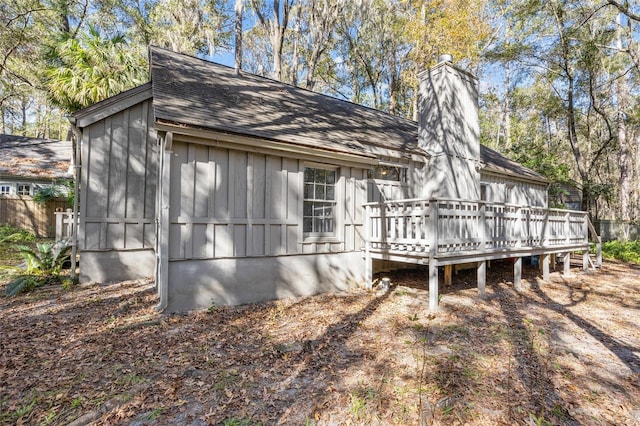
(64, 225)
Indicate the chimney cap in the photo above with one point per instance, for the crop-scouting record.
(445, 58)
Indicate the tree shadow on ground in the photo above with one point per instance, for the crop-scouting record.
(625, 353)
(532, 362)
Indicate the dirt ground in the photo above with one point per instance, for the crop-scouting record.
(565, 352)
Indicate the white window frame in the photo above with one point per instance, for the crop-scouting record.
(484, 192)
(5, 188)
(319, 235)
(20, 191)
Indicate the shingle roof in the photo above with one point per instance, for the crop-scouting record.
(34, 158)
(496, 162)
(194, 92)
(199, 93)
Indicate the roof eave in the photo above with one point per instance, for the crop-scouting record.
(512, 175)
(103, 109)
(221, 137)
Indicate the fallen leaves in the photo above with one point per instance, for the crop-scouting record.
(102, 355)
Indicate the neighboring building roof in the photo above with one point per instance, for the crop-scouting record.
(33, 158)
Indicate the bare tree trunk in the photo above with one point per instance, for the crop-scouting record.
(624, 183)
(23, 107)
(238, 35)
(296, 49)
(507, 105)
(322, 20)
(275, 27)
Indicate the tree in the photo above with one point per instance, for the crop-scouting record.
(274, 22)
(92, 68)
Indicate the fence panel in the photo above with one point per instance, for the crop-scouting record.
(23, 212)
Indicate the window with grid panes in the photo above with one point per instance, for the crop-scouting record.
(23, 189)
(319, 201)
(5, 189)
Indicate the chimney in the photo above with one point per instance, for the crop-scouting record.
(449, 131)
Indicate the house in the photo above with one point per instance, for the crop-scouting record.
(232, 188)
(28, 165)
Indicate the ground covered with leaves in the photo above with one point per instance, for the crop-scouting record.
(565, 352)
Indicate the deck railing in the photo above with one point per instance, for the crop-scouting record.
(440, 227)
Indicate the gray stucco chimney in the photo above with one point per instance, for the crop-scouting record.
(449, 131)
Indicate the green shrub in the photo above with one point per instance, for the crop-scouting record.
(42, 266)
(626, 251)
(47, 193)
(15, 235)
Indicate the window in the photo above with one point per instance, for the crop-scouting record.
(484, 192)
(508, 194)
(319, 200)
(5, 189)
(398, 174)
(24, 189)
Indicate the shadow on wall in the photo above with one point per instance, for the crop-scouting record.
(202, 283)
(106, 266)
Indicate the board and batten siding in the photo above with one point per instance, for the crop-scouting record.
(511, 191)
(229, 203)
(119, 180)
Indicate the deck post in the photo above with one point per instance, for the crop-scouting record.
(585, 260)
(482, 277)
(433, 252)
(483, 225)
(368, 263)
(545, 267)
(553, 261)
(517, 273)
(433, 284)
(448, 269)
(566, 263)
(599, 254)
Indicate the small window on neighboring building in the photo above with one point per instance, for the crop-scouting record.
(398, 174)
(23, 189)
(319, 201)
(484, 192)
(5, 189)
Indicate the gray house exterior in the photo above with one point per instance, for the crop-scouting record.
(231, 188)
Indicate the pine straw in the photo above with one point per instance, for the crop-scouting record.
(565, 352)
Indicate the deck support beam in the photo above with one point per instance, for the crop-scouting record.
(545, 267)
(448, 269)
(517, 273)
(566, 263)
(433, 284)
(482, 278)
(368, 261)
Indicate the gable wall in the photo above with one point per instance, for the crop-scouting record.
(119, 173)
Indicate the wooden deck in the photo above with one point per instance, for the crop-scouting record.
(443, 232)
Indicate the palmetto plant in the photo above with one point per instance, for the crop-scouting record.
(42, 266)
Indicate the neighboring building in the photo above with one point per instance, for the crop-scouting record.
(566, 195)
(233, 188)
(28, 164)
